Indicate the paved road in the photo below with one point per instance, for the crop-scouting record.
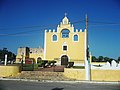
(25, 85)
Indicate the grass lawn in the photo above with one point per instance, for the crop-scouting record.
(79, 67)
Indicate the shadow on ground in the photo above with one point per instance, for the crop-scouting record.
(57, 89)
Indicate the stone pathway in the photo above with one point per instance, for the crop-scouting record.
(40, 75)
(53, 73)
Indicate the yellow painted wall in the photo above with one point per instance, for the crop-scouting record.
(33, 53)
(36, 56)
(105, 75)
(96, 75)
(22, 54)
(98, 63)
(6, 71)
(75, 50)
(76, 74)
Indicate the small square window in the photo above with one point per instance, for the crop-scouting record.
(65, 48)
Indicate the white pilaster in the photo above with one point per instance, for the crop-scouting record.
(87, 63)
(80, 30)
(5, 59)
(76, 30)
(45, 44)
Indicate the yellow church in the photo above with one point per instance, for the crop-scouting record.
(65, 44)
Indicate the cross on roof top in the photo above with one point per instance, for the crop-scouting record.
(65, 14)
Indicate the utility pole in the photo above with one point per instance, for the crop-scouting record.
(22, 61)
(87, 61)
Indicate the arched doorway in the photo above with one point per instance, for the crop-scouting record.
(64, 60)
(39, 59)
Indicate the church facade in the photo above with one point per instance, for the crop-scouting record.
(66, 44)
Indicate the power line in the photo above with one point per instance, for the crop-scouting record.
(42, 28)
(99, 23)
(23, 32)
(91, 23)
(46, 26)
(38, 26)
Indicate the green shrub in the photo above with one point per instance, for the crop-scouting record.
(35, 66)
(79, 67)
(28, 67)
(70, 64)
(51, 63)
(42, 63)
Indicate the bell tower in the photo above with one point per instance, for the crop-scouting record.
(65, 24)
(65, 20)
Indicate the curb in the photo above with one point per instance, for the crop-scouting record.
(50, 81)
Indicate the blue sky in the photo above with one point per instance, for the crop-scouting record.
(18, 16)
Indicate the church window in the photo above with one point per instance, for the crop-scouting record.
(65, 22)
(64, 48)
(75, 37)
(65, 33)
(54, 37)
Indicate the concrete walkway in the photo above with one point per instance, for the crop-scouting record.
(68, 81)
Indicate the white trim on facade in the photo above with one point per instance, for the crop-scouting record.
(87, 67)
(45, 44)
(52, 38)
(73, 37)
(85, 47)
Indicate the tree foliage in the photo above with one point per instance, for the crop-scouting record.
(94, 59)
(10, 56)
(100, 58)
(103, 59)
(118, 59)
